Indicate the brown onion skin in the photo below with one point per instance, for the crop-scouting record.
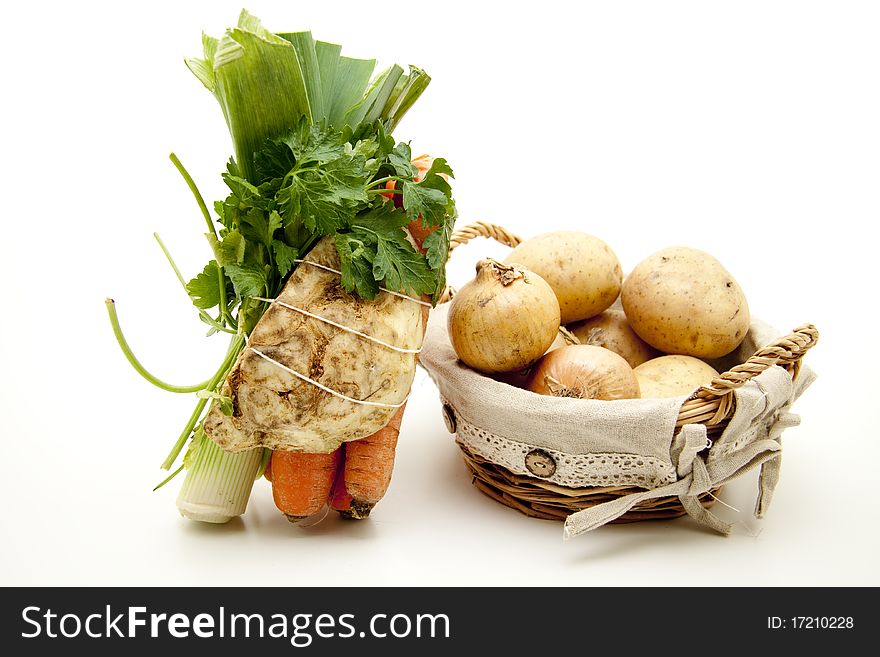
(585, 372)
(504, 319)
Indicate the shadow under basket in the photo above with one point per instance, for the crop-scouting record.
(711, 408)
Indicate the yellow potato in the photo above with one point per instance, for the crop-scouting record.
(683, 301)
(611, 330)
(582, 270)
(673, 376)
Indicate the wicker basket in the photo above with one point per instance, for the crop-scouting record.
(712, 406)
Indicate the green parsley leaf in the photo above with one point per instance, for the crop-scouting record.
(197, 437)
(402, 268)
(204, 289)
(367, 149)
(326, 198)
(285, 257)
(437, 246)
(310, 144)
(275, 222)
(247, 280)
(438, 166)
(259, 227)
(384, 141)
(355, 257)
(229, 250)
(400, 158)
(273, 161)
(383, 242)
(383, 218)
(422, 200)
(224, 402)
(247, 194)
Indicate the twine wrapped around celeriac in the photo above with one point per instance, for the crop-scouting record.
(592, 462)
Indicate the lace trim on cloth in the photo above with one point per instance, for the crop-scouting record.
(571, 470)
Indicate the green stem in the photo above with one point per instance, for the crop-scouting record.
(224, 310)
(383, 180)
(221, 286)
(185, 434)
(195, 192)
(307, 246)
(264, 463)
(235, 348)
(384, 191)
(123, 344)
(205, 316)
(168, 478)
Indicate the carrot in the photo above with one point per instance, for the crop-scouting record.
(340, 500)
(301, 482)
(368, 465)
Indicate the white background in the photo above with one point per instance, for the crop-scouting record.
(747, 129)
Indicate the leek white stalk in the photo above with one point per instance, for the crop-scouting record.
(218, 483)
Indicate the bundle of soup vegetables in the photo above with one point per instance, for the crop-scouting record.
(328, 252)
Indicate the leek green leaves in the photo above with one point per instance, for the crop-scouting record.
(313, 152)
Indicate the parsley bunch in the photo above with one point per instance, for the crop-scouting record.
(314, 182)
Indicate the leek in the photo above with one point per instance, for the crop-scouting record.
(218, 484)
(266, 85)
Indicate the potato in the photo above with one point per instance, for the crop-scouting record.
(683, 301)
(611, 330)
(673, 376)
(582, 270)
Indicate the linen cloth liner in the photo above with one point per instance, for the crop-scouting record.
(633, 427)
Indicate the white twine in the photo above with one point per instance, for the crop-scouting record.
(339, 326)
(749, 530)
(384, 289)
(314, 519)
(303, 377)
(720, 501)
(323, 387)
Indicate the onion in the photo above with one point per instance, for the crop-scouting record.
(585, 372)
(504, 319)
(564, 337)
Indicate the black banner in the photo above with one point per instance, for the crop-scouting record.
(398, 621)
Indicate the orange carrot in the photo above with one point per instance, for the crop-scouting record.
(301, 482)
(340, 500)
(267, 473)
(368, 465)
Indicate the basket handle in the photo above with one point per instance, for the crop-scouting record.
(483, 229)
(478, 229)
(713, 403)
